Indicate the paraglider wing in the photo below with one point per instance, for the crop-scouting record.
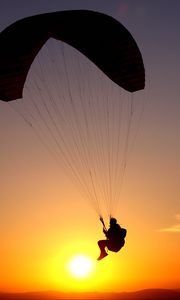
(99, 37)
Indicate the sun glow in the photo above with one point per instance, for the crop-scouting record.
(80, 266)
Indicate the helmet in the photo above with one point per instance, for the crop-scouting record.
(113, 221)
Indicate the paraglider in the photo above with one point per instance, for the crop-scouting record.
(79, 98)
(115, 238)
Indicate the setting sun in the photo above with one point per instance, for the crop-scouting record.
(80, 266)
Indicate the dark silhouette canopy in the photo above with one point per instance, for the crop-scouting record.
(68, 67)
(101, 38)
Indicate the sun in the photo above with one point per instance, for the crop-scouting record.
(80, 266)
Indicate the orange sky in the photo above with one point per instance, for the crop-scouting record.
(44, 220)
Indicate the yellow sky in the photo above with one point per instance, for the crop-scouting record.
(48, 223)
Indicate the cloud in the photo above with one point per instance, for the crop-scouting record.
(175, 227)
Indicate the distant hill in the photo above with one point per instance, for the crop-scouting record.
(148, 294)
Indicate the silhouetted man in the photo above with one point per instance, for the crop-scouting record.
(115, 238)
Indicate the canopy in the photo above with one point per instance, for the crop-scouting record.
(101, 38)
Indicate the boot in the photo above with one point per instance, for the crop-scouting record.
(102, 255)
